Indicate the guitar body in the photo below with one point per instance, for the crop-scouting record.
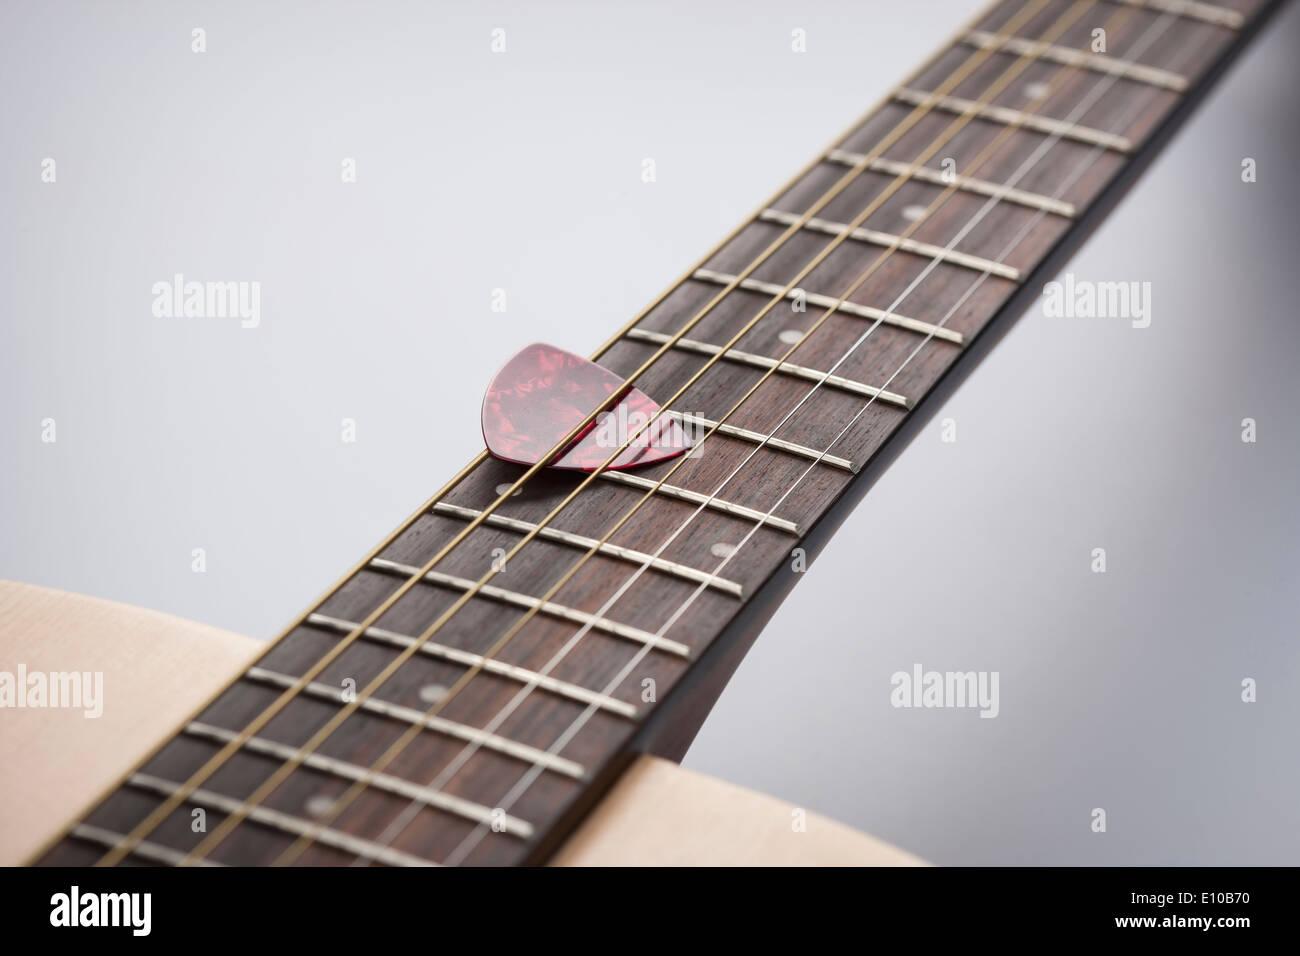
(158, 670)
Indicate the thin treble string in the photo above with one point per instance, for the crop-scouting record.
(609, 343)
(155, 817)
(300, 753)
(345, 799)
(469, 749)
(1081, 168)
(1157, 28)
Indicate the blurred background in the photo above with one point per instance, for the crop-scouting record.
(521, 171)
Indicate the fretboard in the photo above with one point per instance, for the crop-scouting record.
(466, 701)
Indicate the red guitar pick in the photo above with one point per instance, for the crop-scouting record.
(543, 393)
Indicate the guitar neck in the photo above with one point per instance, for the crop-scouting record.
(473, 685)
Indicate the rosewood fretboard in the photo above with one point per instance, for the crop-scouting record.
(967, 187)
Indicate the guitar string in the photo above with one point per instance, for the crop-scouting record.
(1154, 32)
(559, 744)
(160, 812)
(272, 782)
(467, 752)
(119, 851)
(483, 456)
(397, 747)
(809, 470)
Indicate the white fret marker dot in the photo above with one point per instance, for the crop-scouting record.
(505, 486)
(913, 213)
(318, 805)
(432, 693)
(790, 336)
(1036, 91)
(721, 549)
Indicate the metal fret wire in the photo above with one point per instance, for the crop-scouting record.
(616, 453)
(453, 767)
(159, 813)
(1152, 33)
(271, 783)
(397, 746)
(939, 256)
(1001, 194)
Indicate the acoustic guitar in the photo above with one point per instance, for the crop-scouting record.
(510, 676)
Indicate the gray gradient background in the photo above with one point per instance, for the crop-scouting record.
(522, 171)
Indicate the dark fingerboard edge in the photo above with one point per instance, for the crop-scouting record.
(670, 729)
